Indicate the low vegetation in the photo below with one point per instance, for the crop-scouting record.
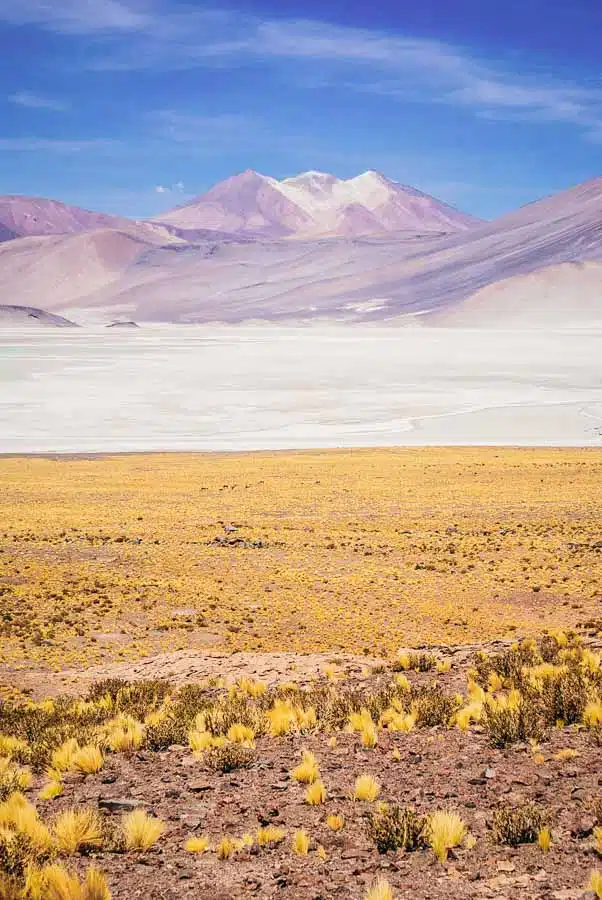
(395, 754)
(385, 549)
(531, 694)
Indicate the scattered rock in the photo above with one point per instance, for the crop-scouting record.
(121, 804)
(200, 787)
(505, 866)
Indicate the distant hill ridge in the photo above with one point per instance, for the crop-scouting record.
(312, 246)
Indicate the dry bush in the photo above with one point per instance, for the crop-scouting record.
(12, 778)
(134, 698)
(509, 664)
(397, 828)
(229, 757)
(509, 723)
(564, 695)
(415, 662)
(517, 825)
(18, 852)
(431, 706)
(164, 734)
(236, 709)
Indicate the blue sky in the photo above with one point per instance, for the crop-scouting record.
(133, 106)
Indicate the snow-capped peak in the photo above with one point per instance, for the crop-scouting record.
(311, 176)
(316, 203)
(373, 175)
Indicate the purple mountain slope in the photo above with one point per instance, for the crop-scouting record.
(545, 254)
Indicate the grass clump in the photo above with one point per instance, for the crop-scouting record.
(444, 831)
(397, 828)
(366, 788)
(307, 771)
(56, 883)
(595, 884)
(141, 831)
(315, 794)
(87, 760)
(380, 890)
(241, 734)
(197, 844)
(544, 839)
(124, 734)
(335, 822)
(301, 842)
(77, 830)
(51, 790)
(270, 836)
(226, 848)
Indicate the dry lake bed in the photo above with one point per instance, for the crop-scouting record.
(169, 387)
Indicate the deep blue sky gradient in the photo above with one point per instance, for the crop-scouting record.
(133, 106)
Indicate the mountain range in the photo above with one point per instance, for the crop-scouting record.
(311, 246)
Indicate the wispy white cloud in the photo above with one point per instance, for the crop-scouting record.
(151, 34)
(35, 101)
(55, 145)
(77, 16)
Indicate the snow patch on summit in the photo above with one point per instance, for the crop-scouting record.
(323, 196)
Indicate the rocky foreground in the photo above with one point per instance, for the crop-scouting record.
(452, 775)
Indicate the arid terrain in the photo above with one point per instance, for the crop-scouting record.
(310, 248)
(206, 624)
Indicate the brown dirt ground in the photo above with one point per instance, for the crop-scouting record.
(438, 768)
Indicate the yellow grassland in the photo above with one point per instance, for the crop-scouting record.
(363, 551)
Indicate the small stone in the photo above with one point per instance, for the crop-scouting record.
(354, 853)
(199, 787)
(489, 773)
(116, 805)
(280, 786)
(505, 866)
